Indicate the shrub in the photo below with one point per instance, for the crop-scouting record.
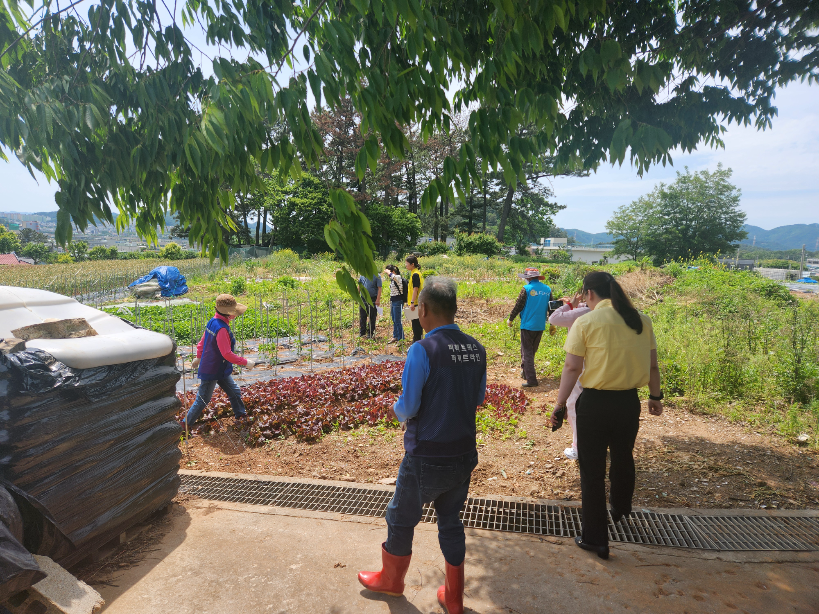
(238, 286)
(9, 242)
(171, 251)
(287, 282)
(103, 253)
(64, 259)
(433, 248)
(78, 250)
(129, 256)
(477, 243)
(39, 252)
(561, 256)
(778, 263)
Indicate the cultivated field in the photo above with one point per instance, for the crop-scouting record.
(739, 357)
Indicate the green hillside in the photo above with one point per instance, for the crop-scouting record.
(793, 236)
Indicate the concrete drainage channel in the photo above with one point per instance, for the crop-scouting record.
(714, 532)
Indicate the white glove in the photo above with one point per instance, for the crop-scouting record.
(194, 364)
(250, 364)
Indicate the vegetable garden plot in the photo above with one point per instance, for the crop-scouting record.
(282, 327)
(309, 406)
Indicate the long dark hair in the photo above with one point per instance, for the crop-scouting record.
(605, 286)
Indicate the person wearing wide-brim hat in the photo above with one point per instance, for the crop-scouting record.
(215, 357)
(533, 306)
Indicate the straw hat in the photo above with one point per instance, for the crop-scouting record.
(531, 273)
(226, 304)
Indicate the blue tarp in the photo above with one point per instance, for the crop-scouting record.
(807, 280)
(171, 281)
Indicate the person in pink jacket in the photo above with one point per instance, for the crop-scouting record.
(215, 357)
(564, 317)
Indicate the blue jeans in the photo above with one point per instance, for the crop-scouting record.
(397, 312)
(206, 388)
(421, 480)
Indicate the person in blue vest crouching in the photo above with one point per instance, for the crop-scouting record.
(533, 306)
(215, 357)
(444, 382)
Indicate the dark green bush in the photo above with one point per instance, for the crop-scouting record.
(477, 243)
(433, 248)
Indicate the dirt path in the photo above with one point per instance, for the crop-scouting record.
(683, 460)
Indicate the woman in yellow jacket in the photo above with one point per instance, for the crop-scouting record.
(416, 284)
(617, 344)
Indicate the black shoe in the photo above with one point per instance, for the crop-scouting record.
(602, 551)
(528, 385)
(618, 516)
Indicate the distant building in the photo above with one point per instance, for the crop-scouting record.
(13, 259)
(591, 254)
(737, 264)
(33, 224)
(555, 243)
(450, 241)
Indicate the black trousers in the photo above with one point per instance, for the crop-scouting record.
(529, 343)
(363, 314)
(417, 330)
(606, 420)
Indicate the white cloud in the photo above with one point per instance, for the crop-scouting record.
(777, 171)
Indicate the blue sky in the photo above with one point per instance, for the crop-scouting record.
(777, 171)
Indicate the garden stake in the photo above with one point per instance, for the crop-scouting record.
(184, 406)
(278, 324)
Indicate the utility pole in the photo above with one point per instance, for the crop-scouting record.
(802, 263)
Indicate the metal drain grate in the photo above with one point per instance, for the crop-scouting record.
(758, 532)
(510, 516)
(657, 529)
(674, 530)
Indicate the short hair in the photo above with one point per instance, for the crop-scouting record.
(440, 294)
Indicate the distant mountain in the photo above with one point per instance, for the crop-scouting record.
(169, 219)
(793, 236)
(587, 237)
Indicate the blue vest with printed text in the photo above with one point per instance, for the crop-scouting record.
(212, 365)
(445, 423)
(533, 316)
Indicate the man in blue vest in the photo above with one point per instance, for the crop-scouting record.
(532, 305)
(444, 382)
(215, 357)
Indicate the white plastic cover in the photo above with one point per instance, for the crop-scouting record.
(116, 341)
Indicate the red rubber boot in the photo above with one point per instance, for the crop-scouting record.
(390, 579)
(451, 594)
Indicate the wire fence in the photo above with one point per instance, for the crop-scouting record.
(289, 326)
